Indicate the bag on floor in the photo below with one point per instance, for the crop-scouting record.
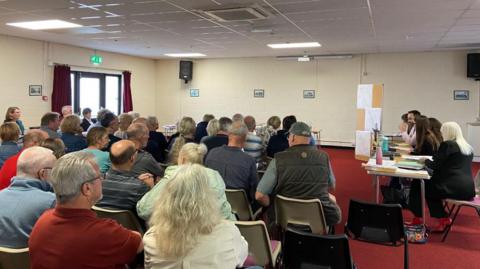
(393, 195)
(416, 233)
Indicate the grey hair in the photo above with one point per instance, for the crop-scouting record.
(185, 210)
(136, 130)
(33, 159)
(193, 153)
(151, 122)
(213, 127)
(69, 174)
(225, 124)
(134, 114)
(239, 129)
(237, 117)
(101, 114)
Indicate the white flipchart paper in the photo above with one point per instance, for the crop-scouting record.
(373, 119)
(363, 142)
(364, 95)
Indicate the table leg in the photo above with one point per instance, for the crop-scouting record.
(376, 182)
(422, 193)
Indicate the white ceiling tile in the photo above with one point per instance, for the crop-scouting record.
(150, 28)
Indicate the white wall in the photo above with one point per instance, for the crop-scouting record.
(25, 62)
(423, 81)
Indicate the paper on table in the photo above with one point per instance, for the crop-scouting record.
(386, 163)
(417, 157)
(364, 95)
(363, 142)
(373, 119)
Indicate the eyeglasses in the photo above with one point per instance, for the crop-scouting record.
(93, 179)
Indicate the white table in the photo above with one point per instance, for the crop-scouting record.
(403, 173)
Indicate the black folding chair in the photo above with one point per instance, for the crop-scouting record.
(309, 251)
(377, 223)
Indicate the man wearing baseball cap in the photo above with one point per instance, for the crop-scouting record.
(302, 171)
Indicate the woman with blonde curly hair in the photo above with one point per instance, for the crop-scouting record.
(72, 134)
(190, 153)
(187, 230)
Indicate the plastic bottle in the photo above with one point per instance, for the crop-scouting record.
(385, 144)
(379, 155)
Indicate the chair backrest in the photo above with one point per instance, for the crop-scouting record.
(255, 232)
(306, 250)
(477, 183)
(14, 258)
(240, 205)
(380, 223)
(126, 218)
(301, 212)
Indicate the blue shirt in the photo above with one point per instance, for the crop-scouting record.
(237, 168)
(8, 149)
(73, 142)
(102, 158)
(22, 204)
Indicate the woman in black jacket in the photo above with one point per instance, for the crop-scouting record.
(452, 174)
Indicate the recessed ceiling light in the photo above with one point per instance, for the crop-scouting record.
(294, 45)
(185, 55)
(44, 25)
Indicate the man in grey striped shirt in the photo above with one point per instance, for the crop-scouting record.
(121, 188)
(253, 144)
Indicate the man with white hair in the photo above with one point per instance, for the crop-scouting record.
(138, 133)
(71, 235)
(66, 110)
(27, 197)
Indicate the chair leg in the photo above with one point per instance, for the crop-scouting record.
(450, 210)
(451, 224)
(405, 254)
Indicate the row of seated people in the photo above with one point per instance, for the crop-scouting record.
(450, 167)
(122, 156)
(301, 171)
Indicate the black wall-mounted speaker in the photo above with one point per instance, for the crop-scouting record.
(186, 70)
(473, 65)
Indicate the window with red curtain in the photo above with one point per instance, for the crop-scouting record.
(62, 92)
(127, 92)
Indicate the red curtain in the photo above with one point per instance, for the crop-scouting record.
(127, 92)
(62, 92)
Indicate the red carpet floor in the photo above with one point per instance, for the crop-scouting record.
(460, 250)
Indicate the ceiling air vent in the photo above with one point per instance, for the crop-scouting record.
(251, 13)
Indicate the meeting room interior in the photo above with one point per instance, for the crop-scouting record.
(309, 123)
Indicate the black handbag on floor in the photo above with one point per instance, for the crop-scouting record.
(393, 195)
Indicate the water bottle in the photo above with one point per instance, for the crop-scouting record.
(385, 144)
(379, 156)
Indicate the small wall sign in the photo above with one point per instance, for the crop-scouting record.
(35, 90)
(461, 95)
(258, 93)
(194, 93)
(308, 94)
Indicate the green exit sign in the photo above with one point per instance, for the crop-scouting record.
(96, 59)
